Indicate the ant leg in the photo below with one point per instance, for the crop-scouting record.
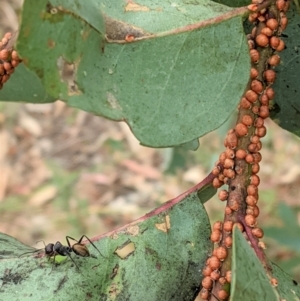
(78, 242)
(69, 255)
(67, 239)
(66, 254)
(84, 236)
(78, 248)
(53, 262)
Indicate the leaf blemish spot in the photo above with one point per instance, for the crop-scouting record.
(117, 31)
(68, 72)
(51, 43)
(131, 6)
(133, 230)
(112, 101)
(114, 271)
(165, 226)
(125, 250)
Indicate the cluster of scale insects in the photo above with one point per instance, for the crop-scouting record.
(254, 109)
(9, 59)
(52, 250)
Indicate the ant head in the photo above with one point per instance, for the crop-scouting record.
(81, 250)
(49, 250)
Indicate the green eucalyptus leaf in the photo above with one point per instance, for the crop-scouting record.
(207, 193)
(249, 279)
(89, 12)
(233, 3)
(191, 145)
(287, 106)
(288, 288)
(11, 247)
(25, 86)
(288, 235)
(158, 257)
(180, 81)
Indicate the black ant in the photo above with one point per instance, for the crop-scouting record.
(52, 250)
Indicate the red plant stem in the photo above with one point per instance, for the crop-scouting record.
(253, 240)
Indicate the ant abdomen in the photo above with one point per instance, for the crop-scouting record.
(81, 250)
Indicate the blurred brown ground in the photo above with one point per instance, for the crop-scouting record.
(67, 172)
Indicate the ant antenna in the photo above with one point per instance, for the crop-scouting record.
(30, 252)
(37, 250)
(40, 241)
